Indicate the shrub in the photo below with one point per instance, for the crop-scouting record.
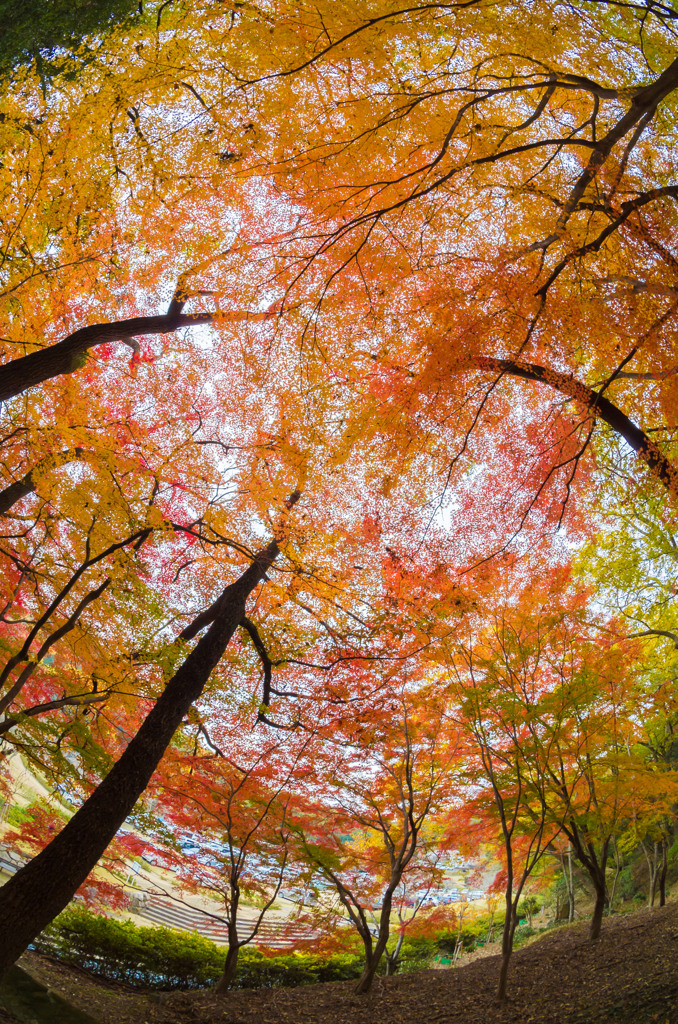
(473, 932)
(121, 951)
(522, 933)
(292, 969)
(18, 816)
(416, 954)
(627, 887)
(162, 958)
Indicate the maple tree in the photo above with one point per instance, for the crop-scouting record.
(632, 559)
(410, 899)
(412, 298)
(651, 818)
(240, 821)
(408, 146)
(384, 782)
(503, 706)
(552, 703)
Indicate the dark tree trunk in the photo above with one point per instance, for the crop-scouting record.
(652, 872)
(503, 976)
(374, 953)
(371, 965)
(618, 865)
(595, 866)
(510, 922)
(231, 961)
(367, 977)
(230, 965)
(41, 889)
(598, 911)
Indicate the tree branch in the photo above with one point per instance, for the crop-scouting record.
(599, 407)
(81, 700)
(69, 355)
(26, 485)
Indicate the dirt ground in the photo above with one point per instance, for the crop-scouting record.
(629, 976)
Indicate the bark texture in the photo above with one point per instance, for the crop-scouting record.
(508, 933)
(662, 875)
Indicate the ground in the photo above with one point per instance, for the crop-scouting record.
(628, 977)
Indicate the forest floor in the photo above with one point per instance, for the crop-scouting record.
(629, 976)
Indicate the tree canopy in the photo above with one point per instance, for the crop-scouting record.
(338, 351)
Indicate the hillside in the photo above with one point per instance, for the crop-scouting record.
(627, 977)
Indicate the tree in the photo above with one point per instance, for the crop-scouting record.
(389, 186)
(595, 780)
(386, 780)
(500, 686)
(364, 339)
(651, 818)
(239, 818)
(409, 900)
(565, 858)
(41, 889)
(101, 890)
(633, 556)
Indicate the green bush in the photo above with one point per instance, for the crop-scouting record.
(121, 951)
(529, 904)
(473, 933)
(292, 969)
(162, 958)
(627, 886)
(522, 933)
(18, 816)
(415, 955)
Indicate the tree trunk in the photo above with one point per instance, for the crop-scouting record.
(374, 955)
(598, 910)
(652, 873)
(618, 864)
(392, 958)
(41, 889)
(231, 961)
(506, 948)
(230, 965)
(601, 407)
(570, 887)
(503, 975)
(595, 867)
(662, 876)
(371, 963)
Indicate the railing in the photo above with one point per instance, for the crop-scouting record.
(274, 934)
(10, 861)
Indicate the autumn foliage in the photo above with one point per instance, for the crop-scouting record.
(339, 404)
